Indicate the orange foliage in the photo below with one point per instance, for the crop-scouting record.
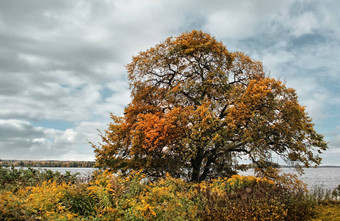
(196, 108)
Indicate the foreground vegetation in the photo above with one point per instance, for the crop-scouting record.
(46, 195)
(327, 211)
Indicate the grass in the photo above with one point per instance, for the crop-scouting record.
(327, 212)
(328, 203)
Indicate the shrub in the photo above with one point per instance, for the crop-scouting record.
(77, 200)
(249, 198)
(12, 178)
(134, 197)
(40, 202)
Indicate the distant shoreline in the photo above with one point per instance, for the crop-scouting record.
(325, 166)
(47, 163)
(86, 164)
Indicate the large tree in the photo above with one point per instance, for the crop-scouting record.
(197, 109)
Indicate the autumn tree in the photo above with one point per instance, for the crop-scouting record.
(197, 109)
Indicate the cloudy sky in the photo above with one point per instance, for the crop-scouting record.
(62, 63)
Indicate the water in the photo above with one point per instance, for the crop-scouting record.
(325, 177)
(83, 172)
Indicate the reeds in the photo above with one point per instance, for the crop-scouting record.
(321, 195)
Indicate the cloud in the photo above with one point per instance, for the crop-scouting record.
(21, 140)
(12, 129)
(63, 61)
(57, 67)
(243, 19)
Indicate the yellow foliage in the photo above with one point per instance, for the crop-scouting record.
(42, 202)
(132, 197)
(329, 212)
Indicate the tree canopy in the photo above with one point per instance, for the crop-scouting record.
(197, 109)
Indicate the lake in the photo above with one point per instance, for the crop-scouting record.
(325, 177)
(84, 172)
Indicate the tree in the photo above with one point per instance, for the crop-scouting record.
(197, 109)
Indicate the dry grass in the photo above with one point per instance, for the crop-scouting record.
(327, 212)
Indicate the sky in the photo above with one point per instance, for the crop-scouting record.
(62, 63)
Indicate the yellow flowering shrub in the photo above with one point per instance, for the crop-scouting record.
(237, 182)
(11, 206)
(135, 197)
(132, 197)
(43, 201)
(167, 199)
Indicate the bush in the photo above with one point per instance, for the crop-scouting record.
(13, 179)
(249, 198)
(78, 201)
(134, 197)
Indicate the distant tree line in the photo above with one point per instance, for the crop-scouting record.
(46, 163)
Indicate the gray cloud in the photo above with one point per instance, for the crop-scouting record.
(20, 140)
(64, 60)
(13, 129)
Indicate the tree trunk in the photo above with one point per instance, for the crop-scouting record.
(206, 169)
(196, 166)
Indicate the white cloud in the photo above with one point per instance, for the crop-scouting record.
(33, 59)
(305, 24)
